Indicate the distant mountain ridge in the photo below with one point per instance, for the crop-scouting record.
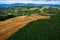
(29, 4)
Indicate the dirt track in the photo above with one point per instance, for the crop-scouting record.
(10, 26)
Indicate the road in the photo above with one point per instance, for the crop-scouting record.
(10, 26)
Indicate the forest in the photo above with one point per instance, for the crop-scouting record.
(10, 12)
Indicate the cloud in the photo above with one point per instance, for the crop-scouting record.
(29, 1)
(45, 0)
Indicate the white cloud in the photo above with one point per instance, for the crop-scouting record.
(29, 1)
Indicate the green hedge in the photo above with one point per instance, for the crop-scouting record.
(2, 18)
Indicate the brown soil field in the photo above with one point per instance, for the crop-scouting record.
(10, 26)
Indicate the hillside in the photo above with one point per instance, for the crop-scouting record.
(27, 4)
(29, 22)
(10, 12)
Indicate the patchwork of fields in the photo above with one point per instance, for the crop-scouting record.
(30, 23)
(39, 30)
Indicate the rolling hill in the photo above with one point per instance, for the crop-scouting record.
(29, 4)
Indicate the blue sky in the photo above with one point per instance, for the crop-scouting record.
(30, 1)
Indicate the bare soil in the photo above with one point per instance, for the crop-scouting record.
(10, 26)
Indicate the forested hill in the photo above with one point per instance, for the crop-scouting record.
(27, 4)
(28, 10)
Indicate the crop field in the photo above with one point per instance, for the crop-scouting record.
(39, 30)
(10, 26)
(30, 23)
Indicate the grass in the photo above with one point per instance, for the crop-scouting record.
(39, 30)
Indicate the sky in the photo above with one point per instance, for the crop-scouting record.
(30, 1)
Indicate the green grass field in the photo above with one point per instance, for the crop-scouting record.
(39, 30)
